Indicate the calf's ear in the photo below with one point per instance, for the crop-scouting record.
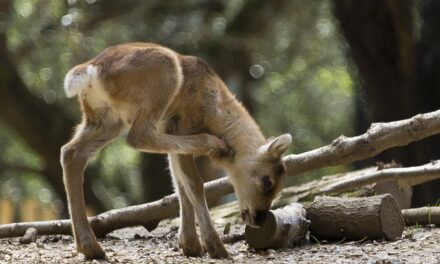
(276, 146)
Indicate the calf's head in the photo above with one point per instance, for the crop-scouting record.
(258, 177)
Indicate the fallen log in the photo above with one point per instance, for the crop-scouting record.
(283, 228)
(329, 218)
(373, 217)
(422, 216)
(343, 150)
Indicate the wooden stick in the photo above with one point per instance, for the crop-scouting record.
(232, 238)
(422, 216)
(355, 218)
(405, 177)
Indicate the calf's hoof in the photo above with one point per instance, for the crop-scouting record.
(191, 248)
(216, 249)
(92, 250)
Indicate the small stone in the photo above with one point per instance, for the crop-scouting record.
(271, 251)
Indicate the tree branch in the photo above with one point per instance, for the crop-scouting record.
(405, 176)
(379, 137)
(147, 215)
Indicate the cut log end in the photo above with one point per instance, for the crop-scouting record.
(283, 228)
(392, 223)
(262, 237)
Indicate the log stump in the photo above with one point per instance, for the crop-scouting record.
(373, 217)
(283, 228)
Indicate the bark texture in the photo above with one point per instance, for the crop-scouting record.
(355, 218)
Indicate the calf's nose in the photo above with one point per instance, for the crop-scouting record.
(259, 217)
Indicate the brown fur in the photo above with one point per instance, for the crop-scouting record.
(175, 104)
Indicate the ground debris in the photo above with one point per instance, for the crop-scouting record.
(418, 245)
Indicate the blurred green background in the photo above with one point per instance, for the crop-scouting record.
(315, 69)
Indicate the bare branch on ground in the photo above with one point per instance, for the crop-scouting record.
(422, 216)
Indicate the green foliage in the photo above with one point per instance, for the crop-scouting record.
(307, 89)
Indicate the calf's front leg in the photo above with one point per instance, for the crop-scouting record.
(192, 184)
(145, 136)
(188, 239)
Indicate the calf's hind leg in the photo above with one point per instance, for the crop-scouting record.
(88, 139)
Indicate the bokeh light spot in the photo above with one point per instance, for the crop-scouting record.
(219, 25)
(46, 74)
(256, 71)
(66, 20)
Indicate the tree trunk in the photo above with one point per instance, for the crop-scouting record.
(399, 79)
(427, 72)
(156, 178)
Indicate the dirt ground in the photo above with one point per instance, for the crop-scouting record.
(136, 245)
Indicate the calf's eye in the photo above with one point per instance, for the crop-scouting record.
(266, 184)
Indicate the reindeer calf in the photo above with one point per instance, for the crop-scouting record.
(169, 103)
